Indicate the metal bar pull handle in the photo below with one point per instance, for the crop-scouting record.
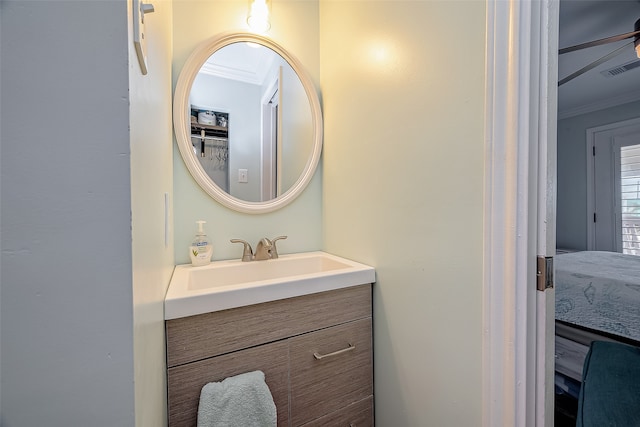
(319, 356)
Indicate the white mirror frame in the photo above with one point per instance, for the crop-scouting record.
(181, 123)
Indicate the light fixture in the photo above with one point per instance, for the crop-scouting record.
(636, 40)
(635, 34)
(258, 17)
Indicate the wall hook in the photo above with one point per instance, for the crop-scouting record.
(139, 40)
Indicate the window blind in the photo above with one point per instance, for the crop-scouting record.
(630, 198)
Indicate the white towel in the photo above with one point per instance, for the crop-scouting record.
(240, 401)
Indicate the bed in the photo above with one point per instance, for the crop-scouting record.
(597, 299)
(600, 292)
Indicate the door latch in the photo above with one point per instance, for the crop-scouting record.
(544, 272)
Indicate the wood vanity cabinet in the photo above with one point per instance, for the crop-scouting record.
(315, 351)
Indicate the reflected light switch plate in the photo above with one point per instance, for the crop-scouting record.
(139, 41)
(243, 175)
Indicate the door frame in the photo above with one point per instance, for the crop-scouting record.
(268, 181)
(271, 142)
(590, 144)
(521, 118)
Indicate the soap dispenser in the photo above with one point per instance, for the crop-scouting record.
(201, 248)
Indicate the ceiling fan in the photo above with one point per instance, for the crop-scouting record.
(635, 34)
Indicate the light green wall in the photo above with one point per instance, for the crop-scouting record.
(572, 171)
(295, 26)
(403, 90)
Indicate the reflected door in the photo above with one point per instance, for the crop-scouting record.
(271, 166)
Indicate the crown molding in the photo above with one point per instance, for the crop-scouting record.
(600, 105)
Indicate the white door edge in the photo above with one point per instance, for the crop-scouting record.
(548, 35)
(514, 110)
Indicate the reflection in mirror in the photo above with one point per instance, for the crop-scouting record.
(251, 122)
(247, 121)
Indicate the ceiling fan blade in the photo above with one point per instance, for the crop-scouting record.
(598, 42)
(594, 64)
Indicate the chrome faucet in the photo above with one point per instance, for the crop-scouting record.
(265, 249)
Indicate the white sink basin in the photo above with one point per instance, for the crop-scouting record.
(228, 284)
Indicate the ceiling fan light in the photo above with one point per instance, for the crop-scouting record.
(636, 40)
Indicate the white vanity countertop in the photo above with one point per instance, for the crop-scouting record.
(228, 284)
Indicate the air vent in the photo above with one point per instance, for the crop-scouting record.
(616, 71)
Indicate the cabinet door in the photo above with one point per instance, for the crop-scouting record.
(330, 369)
(186, 381)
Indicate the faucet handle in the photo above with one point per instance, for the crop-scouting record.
(274, 250)
(247, 253)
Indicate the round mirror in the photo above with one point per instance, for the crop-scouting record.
(247, 122)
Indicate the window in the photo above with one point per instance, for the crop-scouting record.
(630, 198)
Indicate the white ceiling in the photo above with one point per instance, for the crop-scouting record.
(246, 62)
(583, 21)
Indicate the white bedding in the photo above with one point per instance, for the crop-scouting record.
(600, 291)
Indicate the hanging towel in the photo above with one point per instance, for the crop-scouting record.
(240, 401)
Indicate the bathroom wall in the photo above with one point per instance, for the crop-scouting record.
(84, 263)
(572, 171)
(152, 257)
(403, 90)
(295, 26)
(66, 284)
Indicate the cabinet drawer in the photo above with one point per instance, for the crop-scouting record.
(185, 382)
(327, 374)
(211, 334)
(359, 414)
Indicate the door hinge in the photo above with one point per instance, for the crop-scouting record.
(594, 150)
(544, 275)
